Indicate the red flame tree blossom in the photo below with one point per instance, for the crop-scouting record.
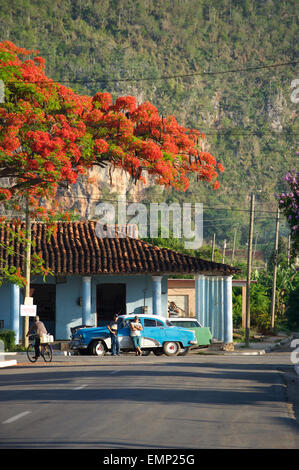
(49, 134)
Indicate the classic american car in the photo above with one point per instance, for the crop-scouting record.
(203, 334)
(158, 336)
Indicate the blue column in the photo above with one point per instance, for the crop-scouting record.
(206, 301)
(157, 292)
(228, 310)
(86, 300)
(200, 298)
(15, 311)
(216, 307)
(211, 305)
(220, 309)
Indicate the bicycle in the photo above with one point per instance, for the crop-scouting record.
(46, 351)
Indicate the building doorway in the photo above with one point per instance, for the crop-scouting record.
(111, 299)
(44, 297)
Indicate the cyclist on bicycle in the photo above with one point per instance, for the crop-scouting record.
(38, 329)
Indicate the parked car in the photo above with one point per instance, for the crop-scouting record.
(203, 334)
(158, 336)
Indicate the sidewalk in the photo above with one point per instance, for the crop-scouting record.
(279, 343)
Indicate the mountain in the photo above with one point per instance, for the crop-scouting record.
(216, 66)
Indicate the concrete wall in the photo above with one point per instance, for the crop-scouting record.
(183, 287)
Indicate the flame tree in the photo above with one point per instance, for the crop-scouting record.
(49, 134)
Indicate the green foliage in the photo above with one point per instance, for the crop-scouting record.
(237, 307)
(293, 309)
(8, 338)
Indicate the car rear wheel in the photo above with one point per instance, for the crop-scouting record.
(98, 348)
(171, 348)
(146, 352)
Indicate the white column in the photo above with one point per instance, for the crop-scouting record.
(228, 310)
(216, 307)
(15, 311)
(206, 301)
(212, 310)
(200, 298)
(86, 300)
(157, 295)
(221, 308)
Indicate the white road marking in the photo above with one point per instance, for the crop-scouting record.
(14, 418)
(114, 371)
(80, 387)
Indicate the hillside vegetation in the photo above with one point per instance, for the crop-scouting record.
(128, 46)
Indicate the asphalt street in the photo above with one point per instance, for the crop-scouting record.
(191, 402)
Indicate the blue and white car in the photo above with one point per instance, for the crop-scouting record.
(158, 336)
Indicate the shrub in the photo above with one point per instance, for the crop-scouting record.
(8, 338)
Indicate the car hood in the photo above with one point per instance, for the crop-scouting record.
(90, 331)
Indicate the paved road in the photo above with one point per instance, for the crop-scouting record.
(195, 402)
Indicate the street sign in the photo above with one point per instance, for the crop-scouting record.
(28, 311)
(28, 301)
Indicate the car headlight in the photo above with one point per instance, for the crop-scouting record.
(193, 341)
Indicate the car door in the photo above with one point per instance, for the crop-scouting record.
(124, 334)
(153, 333)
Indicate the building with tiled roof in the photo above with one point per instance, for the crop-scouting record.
(95, 276)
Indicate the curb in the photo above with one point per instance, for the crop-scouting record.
(12, 362)
(254, 352)
(23, 353)
(283, 342)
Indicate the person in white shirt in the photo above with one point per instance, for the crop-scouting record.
(136, 329)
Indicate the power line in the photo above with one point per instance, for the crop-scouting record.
(169, 77)
(161, 202)
(186, 75)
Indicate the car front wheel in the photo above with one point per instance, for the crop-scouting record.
(171, 348)
(97, 348)
(184, 351)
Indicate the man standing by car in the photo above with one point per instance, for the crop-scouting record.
(37, 329)
(113, 328)
(136, 329)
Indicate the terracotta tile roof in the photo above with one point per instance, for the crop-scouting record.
(78, 250)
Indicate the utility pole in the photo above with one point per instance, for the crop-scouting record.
(249, 264)
(213, 246)
(223, 253)
(255, 243)
(27, 270)
(275, 270)
(234, 246)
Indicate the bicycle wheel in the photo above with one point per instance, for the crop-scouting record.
(31, 353)
(46, 352)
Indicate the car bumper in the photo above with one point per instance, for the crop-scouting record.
(77, 344)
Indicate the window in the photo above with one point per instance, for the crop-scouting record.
(151, 322)
(148, 322)
(186, 324)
